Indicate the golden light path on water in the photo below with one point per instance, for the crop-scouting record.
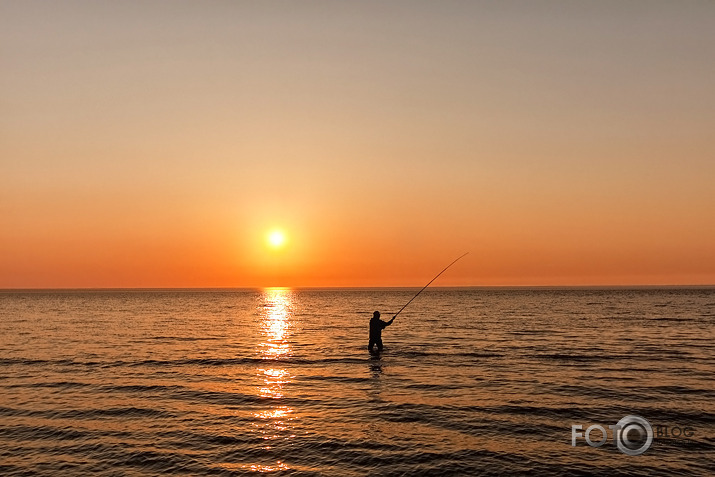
(276, 313)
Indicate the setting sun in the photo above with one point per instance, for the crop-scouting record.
(276, 238)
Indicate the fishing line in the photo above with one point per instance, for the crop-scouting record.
(428, 284)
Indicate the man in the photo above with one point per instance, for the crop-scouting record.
(376, 326)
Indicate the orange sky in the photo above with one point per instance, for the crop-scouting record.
(155, 144)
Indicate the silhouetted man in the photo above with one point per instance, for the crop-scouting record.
(376, 326)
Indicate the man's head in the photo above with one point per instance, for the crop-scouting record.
(376, 314)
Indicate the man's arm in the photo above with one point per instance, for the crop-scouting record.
(388, 323)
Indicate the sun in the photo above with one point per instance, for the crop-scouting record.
(276, 238)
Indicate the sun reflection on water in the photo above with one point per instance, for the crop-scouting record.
(269, 468)
(276, 313)
(275, 421)
(273, 380)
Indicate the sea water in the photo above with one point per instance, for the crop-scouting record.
(471, 381)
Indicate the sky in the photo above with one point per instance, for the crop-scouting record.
(159, 143)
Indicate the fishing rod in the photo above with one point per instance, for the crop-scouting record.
(428, 284)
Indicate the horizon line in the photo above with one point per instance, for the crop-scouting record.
(257, 288)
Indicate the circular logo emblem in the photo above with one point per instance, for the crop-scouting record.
(634, 435)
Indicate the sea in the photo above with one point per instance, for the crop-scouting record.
(472, 381)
